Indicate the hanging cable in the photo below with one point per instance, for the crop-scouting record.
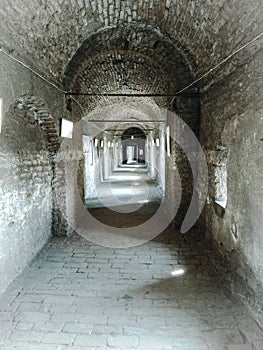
(217, 66)
(177, 93)
(32, 70)
(41, 77)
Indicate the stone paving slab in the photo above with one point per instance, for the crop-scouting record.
(79, 296)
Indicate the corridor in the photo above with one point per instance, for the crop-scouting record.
(162, 295)
(125, 186)
(131, 172)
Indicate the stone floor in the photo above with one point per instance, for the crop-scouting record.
(80, 296)
(125, 186)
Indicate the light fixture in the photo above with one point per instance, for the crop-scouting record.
(66, 128)
(109, 143)
(101, 144)
(132, 137)
(96, 142)
(158, 142)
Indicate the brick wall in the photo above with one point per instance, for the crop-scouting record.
(26, 193)
(167, 44)
(28, 144)
(232, 118)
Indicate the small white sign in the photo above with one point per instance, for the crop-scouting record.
(66, 128)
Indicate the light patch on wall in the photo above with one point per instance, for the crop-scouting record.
(86, 144)
(66, 128)
(1, 113)
(168, 144)
(221, 176)
(178, 272)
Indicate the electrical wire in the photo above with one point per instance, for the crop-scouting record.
(32, 70)
(218, 65)
(42, 78)
(177, 93)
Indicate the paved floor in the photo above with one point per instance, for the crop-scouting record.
(79, 296)
(126, 186)
(161, 295)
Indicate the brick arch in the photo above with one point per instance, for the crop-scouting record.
(35, 108)
(38, 114)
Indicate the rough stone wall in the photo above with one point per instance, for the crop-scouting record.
(26, 193)
(48, 34)
(232, 117)
(28, 143)
(133, 56)
(187, 109)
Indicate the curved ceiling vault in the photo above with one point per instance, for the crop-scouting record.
(152, 46)
(130, 58)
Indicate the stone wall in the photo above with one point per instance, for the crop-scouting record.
(232, 118)
(26, 193)
(187, 109)
(28, 144)
(161, 41)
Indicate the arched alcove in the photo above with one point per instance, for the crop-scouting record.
(133, 146)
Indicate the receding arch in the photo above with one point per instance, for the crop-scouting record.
(133, 132)
(35, 107)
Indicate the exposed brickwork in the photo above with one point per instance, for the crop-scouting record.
(151, 46)
(232, 118)
(137, 50)
(207, 31)
(35, 109)
(26, 192)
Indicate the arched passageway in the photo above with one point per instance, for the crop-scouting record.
(164, 104)
(133, 146)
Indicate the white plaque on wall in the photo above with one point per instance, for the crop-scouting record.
(66, 129)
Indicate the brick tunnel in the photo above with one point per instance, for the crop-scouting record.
(131, 175)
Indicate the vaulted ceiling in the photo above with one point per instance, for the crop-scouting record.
(142, 45)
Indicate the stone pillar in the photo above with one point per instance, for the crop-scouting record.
(162, 163)
(152, 154)
(120, 153)
(116, 152)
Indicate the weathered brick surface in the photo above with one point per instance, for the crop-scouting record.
(26, 192)
(131, 57)
(28, 211)
(207, 31)
(147, 46)
(232, 118)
